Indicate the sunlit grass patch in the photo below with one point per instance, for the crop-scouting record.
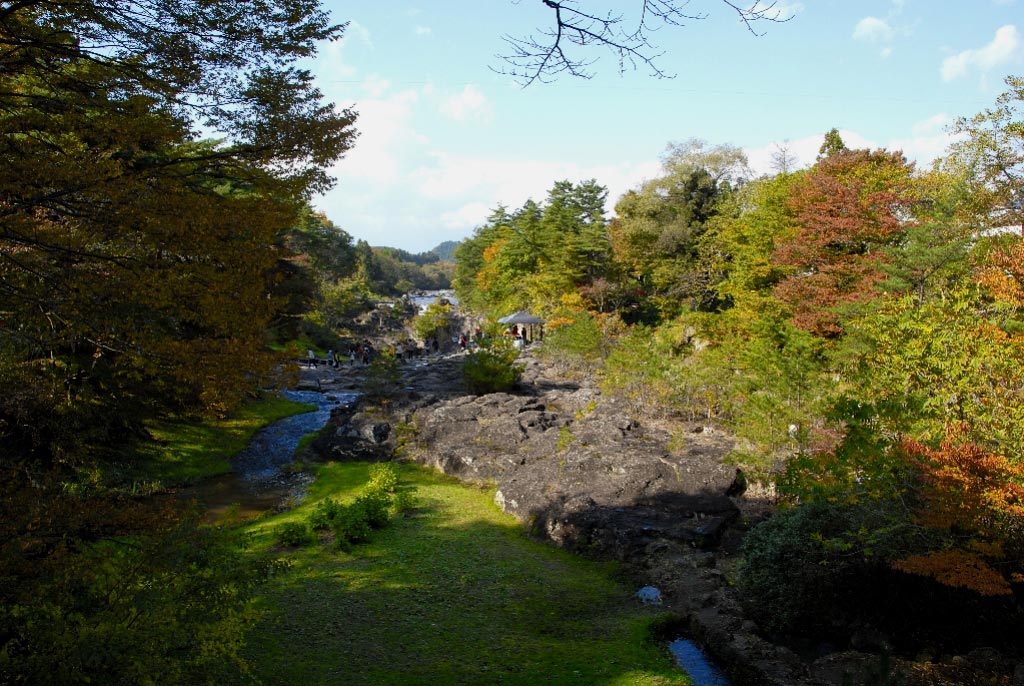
(453, 593)
(186, 450)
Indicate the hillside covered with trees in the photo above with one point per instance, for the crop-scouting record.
(856, 324)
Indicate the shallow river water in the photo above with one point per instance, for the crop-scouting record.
(692, 659)
(257, 483)
(273, 446)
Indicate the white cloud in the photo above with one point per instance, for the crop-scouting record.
(885, 53)
(784, 10)
(931, 125)
(356, 32)
(331, 62)
(422, 31)
(375, 86)
(929, 139)
(468, 216)
(873, 29)
(469, 104)
(512, 182)
(1004, 48)
(443, 195)
(386, 135)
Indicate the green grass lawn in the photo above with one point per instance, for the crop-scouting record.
(453, 593)
(187, 450)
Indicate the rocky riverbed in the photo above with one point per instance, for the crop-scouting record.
(580, 469)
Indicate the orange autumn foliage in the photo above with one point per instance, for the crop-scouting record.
(957, 568)
(848, 207)
(1003, 274)
(976, 497)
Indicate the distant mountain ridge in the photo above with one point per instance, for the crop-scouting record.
(445, 251)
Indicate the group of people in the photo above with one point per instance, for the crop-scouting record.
(409, 349)
(362, 352)
(518, 336)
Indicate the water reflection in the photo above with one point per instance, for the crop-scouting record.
(692, 659)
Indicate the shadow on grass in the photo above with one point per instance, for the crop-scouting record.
(454, 594)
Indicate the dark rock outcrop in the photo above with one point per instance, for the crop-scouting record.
(579, 469)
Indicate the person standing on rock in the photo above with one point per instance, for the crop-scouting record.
(462, 342)
(310, 358)
(330, 358)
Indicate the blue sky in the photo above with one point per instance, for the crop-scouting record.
(444, 139)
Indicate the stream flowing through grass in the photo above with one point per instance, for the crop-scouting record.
(453, 592)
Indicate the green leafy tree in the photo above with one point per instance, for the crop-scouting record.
(435, 322)
(992, 150)
(933, 254)
(537, 254)
(832, 144)
(137, 271)
(659, 228)
(491, 368)
(475, 254)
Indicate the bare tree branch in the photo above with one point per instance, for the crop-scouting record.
(546, 56)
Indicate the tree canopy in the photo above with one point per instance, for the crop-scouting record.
(855, 324)
(136, 260)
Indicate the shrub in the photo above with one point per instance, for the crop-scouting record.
(579, 337)
(351, 526)
(377, 505)
(435, 321)
(491, 370)
(382, 376)
(403, 501)
(384, 477)
(293, 534)
(324, 514)
(170, 606)
(820, 567)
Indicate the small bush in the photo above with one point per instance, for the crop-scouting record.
(351, 526)
(819, 567)
(403, 501)
(565, 439)
(293, 534)
(377, 505)
(384, 477)
(382, 376)
(491, 371)
(324, 514)
(579, 337)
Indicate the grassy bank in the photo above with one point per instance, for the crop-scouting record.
(455, 593)
(187, 450)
